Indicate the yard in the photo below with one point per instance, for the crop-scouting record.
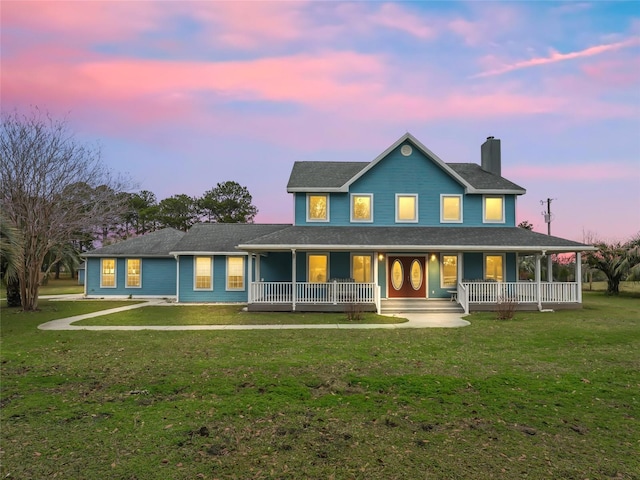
(545, 395)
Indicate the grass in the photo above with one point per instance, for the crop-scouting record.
(545, 395)
(171, 314)
(62, 286)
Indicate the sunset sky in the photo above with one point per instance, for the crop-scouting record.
(183, 95)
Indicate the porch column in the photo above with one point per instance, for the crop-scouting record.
(460, 269)
(579, 275)
(549, 268)
(538, 277)
(249, 277)
(293, 279)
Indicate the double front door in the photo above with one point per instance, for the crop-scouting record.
(406, 277)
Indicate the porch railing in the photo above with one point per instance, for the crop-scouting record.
(518, 292)
(322, 292)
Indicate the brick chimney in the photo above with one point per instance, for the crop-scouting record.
(490, 156)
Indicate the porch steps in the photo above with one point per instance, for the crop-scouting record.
(419, 306)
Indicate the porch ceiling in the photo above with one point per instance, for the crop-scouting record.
(412, 238)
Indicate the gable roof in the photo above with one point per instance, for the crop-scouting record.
(221, 237)
(399, 239)
(338, 176)
(153, 244)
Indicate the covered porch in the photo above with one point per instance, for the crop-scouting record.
(475, 268)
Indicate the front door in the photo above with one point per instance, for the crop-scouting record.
(406, 277)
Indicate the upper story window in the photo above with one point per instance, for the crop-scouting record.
(361, 268)
(406, 208)
(318, 268)
(203, 273)
(451, 208)
(235, 273)
(133, 272)
(361, 207)
(318, 207)
(108, 273)
(493, 209)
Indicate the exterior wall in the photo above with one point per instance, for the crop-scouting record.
(219, 293)
(158, 278)
(415, 174)
(276, 267)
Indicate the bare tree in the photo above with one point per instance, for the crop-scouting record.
(45, 174)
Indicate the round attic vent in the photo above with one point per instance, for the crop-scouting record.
(406, 150)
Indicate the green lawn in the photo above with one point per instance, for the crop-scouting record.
(172, 314)
(546, 395)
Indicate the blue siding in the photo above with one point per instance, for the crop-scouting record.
(158, 278)
(219, 293)
(473, 266)
(416, 174)
(276, 267)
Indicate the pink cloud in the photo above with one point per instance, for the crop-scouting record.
(556, 57)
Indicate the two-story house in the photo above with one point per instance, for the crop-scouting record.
(400, 232)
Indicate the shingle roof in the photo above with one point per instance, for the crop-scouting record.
(483, 180)
(410, 238)
(323, 174)
(222, 237)
(153, 244)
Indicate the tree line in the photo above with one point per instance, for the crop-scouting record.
(58, 200)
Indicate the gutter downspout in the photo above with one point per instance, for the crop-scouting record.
(177, 257)
(293, 280)
(538, 286)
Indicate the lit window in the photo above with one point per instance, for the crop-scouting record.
(108, 277)
(450, 208)
(361, 208)
(449, 270)
(494, 267)
(493, 209)
(318, 210)
(361, 268)
(317, 268)
(203, 273)
(235, 273)
(133, 272)
(406, 208)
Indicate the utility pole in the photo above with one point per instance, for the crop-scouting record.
(547, 214)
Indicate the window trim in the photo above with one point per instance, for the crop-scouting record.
(442, 284)
(115, 272)
(316, 220)
(139, 273)
(195, 273)
(484, 265)
(484, 209)
(370, 255)
(416, 213)
(351, 200)
(449, 195)
(235, 289)
(324, 254)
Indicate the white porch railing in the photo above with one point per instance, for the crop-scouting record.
(325, 292)
(518, 292)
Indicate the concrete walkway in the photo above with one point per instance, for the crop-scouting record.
(416, 320)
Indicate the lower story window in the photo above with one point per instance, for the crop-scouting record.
(361, 268)
(108, 273)
(318, 268)
(494, 268)
(235, 273)
(449, 270)
(133, 272)
(203, 273)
